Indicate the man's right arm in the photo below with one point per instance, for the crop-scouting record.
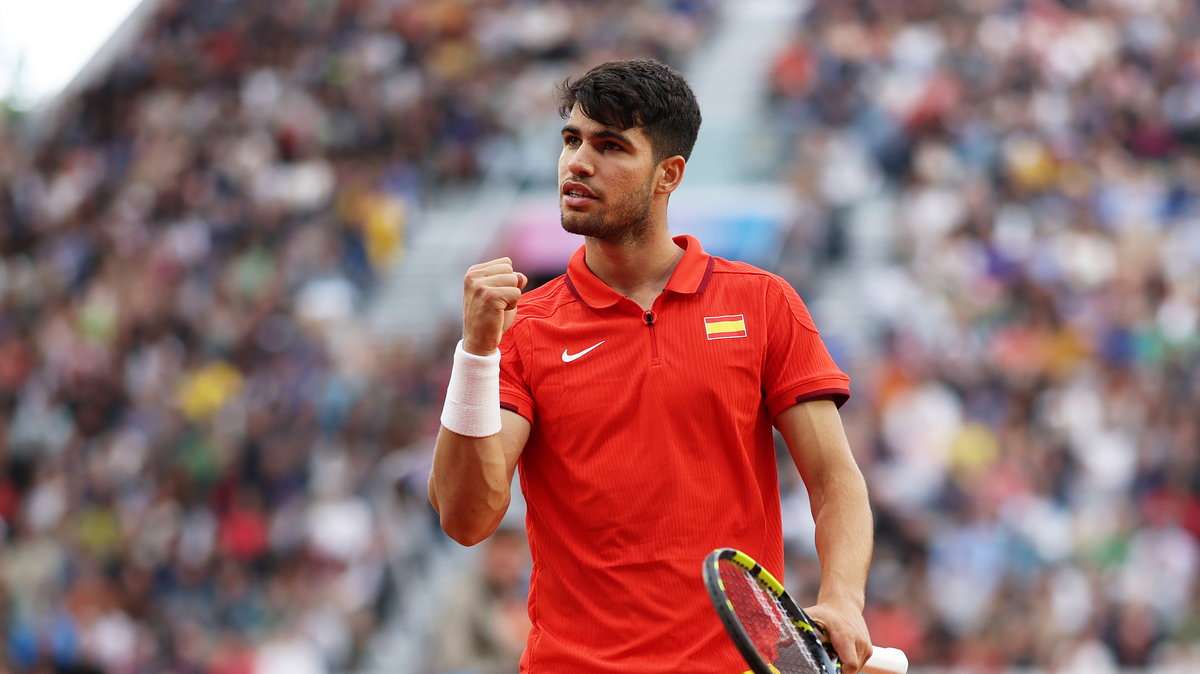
(479, 443)
(469, 486)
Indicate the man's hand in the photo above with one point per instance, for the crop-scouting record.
(847, 631)
(490, 293)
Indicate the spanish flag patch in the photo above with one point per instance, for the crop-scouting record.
(725, 327)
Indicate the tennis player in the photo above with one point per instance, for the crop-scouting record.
(637, 393)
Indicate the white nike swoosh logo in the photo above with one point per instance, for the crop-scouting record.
(568, 357)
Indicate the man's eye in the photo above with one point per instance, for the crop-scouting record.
(570, 141)
(612, 146)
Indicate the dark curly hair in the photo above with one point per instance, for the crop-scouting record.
(638, 93)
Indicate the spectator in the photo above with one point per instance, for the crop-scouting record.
(485, 623)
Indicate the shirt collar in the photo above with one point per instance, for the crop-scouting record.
(689, 276)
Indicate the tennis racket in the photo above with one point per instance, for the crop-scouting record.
(771, 631)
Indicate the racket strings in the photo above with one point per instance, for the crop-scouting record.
(766, 622)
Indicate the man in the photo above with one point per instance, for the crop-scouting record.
(637, 393)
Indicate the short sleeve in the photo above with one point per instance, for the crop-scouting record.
(515, 394)
(797, 367)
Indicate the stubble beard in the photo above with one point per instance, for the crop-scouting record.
(627, 222)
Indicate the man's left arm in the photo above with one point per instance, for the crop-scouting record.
(844, 534)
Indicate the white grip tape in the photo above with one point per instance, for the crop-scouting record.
(886, 661)
(473, 397)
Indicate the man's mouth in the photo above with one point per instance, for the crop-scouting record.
(577, 191)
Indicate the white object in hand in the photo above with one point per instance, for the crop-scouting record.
(886, 661)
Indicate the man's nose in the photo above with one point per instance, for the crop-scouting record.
(580, 162)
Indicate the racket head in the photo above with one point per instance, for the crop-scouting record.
(773, 634)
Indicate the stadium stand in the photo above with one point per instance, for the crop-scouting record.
(203, 461)
(1003, 230)
(208, 464)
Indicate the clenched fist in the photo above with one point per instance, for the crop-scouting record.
(490, 293)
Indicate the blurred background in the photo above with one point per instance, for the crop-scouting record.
(232, 237)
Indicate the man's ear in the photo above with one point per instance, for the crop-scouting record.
(669, 174)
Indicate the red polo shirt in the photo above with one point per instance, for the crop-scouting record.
(651, 444)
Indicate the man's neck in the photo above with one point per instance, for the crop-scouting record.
(638, 270)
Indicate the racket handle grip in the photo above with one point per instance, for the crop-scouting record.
(886, 661)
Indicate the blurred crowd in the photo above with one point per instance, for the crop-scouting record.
(1013, 189)
(207, 463)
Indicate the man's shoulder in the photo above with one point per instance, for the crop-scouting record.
(545, 300)
(742, 273)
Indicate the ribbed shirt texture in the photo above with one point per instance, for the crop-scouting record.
(651, 444)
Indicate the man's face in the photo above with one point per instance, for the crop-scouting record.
(605, 179)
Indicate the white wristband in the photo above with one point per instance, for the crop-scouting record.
(473, 397)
